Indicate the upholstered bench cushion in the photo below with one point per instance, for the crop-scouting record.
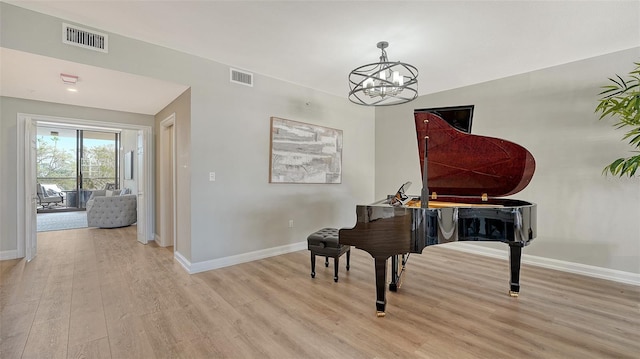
(325, 242)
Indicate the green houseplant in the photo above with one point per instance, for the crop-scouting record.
(621, 100)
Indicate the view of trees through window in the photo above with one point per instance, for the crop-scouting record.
(56, 159)
(99, 165)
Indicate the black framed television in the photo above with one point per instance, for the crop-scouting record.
(460, 117)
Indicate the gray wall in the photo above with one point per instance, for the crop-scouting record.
(9, 109)
(240, 212)
(583, 216)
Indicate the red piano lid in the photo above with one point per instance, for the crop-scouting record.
(463, 164)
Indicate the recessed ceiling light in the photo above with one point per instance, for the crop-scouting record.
(69, 79)
(72, 89)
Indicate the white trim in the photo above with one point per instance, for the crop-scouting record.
(82, 123)
(564, 266)
(30, 173)
(238, 259)
(26, 181)
(157, 239)
(166, 124)
(145, 181)
(12, 254)
(20, 193)
(184, 262)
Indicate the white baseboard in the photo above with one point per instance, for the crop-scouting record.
(5, 255)
(577, 268)
(183, 261)
(157, 239)
(198, 267)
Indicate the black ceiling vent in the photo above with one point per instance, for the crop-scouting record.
(241, 77)
(88, 39)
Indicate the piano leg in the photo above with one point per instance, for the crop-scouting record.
(515, 254)
(398, 266)
(348, 257)
(393, 286)
(381, 278)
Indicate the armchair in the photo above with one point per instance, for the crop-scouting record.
(46, 199)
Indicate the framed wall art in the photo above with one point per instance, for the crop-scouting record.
(304, 153)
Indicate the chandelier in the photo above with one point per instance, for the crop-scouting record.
(384, 83)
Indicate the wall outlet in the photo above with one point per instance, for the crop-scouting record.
(212, 176)
(291, 223)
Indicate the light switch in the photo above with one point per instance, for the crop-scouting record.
(212, 176)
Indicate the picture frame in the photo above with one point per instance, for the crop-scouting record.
(304, 153)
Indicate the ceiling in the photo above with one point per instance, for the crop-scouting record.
(317, 43)
(37, 77)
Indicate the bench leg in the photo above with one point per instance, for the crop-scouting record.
(313, 265)
(336, 261)
(326, 261)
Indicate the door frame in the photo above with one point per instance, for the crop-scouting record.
(165, 124)
(26, 166)
(26, 190)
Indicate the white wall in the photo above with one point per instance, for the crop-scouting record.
(240, 212)
(583, 216)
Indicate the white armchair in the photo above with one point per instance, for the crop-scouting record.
(46, 197)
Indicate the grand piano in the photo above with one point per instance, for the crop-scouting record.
(463, 177)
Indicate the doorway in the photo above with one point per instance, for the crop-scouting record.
(26, 176)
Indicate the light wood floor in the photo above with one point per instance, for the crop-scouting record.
(96, 293)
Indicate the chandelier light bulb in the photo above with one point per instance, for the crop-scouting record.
(368, 83)
(397, 79)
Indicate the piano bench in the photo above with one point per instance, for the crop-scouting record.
(325, 243)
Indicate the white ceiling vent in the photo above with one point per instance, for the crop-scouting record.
(88, 39)
(241, 77)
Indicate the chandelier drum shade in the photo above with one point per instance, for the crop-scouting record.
(383, 83)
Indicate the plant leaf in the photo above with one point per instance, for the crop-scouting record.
(620, 99)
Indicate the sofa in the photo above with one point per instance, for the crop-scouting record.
(110, 209)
